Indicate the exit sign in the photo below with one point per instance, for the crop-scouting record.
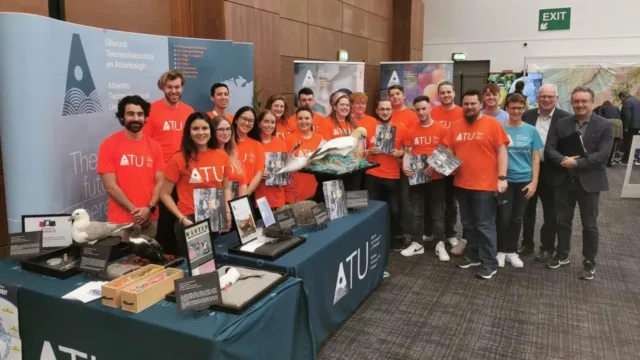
(554, 19)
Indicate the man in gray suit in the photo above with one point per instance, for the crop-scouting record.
(630, 114)
(542, 118)
(579, 179)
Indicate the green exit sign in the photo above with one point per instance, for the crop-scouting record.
(554, 19)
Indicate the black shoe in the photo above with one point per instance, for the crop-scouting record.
(588, 270)
(485, 273)
(544, 256)
(525, 250)
(400, 242)
(557, 261)
(466, 263)
(396, 245)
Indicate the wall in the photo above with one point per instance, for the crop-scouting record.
(496, 30)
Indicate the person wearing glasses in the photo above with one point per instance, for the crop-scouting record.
(250, 151)
(226, 142)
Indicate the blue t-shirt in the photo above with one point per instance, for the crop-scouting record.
(502, 116)
(523, 140)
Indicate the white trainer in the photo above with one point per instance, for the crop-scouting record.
(453, 241)
(413, 249)
(514, 259)
(442, 252)
(427, 238)
(500, 257)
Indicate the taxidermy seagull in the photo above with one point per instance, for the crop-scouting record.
(83, 230)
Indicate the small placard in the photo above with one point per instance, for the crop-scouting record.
(94, 258)
(25, 244)
(198, 292)
(56, 229)
(286, 219)
(357, 199)
(319, 212)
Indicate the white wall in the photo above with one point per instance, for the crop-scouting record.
(496, 30)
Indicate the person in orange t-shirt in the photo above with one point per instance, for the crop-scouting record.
(401, 112)
(278, 106)
(339, 123)
(358, 108)
(131, 165)
(446, 114)
(480, 142)
(273, 146)
(383, 182)
(423, 140)
(165, 125)
(250, 151)
(200, 168)
(220, 99)
(306, 99)
(224, 135)
(302, 186)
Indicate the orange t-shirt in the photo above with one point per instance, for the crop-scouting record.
(331, 131)
(165, 125)
(251, 155)
(318, 122)
(389, 166)
(423, 140)
(282, 131)
(302, 186)
(135, 163)
(447, 117)
(274, 194)
(228, 116)
(407, 117)
(476, 146)
(208, 171)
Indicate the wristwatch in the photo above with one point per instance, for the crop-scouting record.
(152, 208)
(502, 177)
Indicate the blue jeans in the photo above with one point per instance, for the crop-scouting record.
(478, 214)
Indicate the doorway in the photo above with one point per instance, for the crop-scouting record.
(470, 75)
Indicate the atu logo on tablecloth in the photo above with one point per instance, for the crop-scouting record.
(47, 353)
(344, 282)
(81, 96)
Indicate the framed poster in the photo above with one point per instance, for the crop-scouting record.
(201, 255)
(243, 215)
(56, 228)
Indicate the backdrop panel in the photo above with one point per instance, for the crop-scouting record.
(61, 86)
(325, 78)
(417, 78)
(505, 81)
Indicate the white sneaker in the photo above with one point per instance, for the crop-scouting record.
(385, 275)
(514, 259)
(442, 252)
(427, 238)
(453, 241)
(413, 249)
(500, 257)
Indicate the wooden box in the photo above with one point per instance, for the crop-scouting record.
(111, 291)
(149, 290)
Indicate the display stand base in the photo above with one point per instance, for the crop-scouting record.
(352, 179)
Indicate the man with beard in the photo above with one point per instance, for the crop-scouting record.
(220, 98)
(383, 182)
(480, 142)
(131, 166)
(491, 100)
(542, 118)
(165, 125)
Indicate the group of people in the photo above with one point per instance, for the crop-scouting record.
(167, 152)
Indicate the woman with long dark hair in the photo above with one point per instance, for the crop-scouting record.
(302, 186)
(339, 123)
(226, 142)
(266, 132)
(250, 151)
(278, 107)
(199, 168)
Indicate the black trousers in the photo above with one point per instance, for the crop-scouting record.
(510, 216)
(548, 231)
(431, 196)
(387, 190)
(569, 193)
(405, 208)
(450, 212)
(628, 138)
(166, 235)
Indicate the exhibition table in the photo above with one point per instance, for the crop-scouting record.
(340, 265)
(276, 327)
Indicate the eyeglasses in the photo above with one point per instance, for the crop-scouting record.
(247, 120)
(224, 129)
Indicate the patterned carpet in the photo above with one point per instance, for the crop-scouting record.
(432, 310)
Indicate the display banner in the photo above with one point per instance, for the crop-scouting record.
(504, 80)
(417, 78)
(61, 86)
(631, 185)
(326, 78)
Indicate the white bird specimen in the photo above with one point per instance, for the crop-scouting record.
(83, 230)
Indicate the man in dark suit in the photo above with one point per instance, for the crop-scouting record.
(579, 179)
(542, 118)
(630, 121)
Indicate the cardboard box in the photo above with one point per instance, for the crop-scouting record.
(111, 291)
(149, 290)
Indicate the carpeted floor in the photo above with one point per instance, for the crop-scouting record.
(428, 309)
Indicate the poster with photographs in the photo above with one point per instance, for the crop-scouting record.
(198, 244)
(209, 204)
(418, 163)
(335, 198)
(241, 210)
(274, 161)
(385, 138)
(443, 161)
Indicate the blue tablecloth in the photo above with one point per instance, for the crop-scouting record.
(277, 327)
(340, 265)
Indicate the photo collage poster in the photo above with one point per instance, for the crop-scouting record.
(243, 215)
(199, 248)
(209, 204)
(274, 161)
(443, 161)
(417, 78)
(418, 163)
(335, 199)
(385, 138)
